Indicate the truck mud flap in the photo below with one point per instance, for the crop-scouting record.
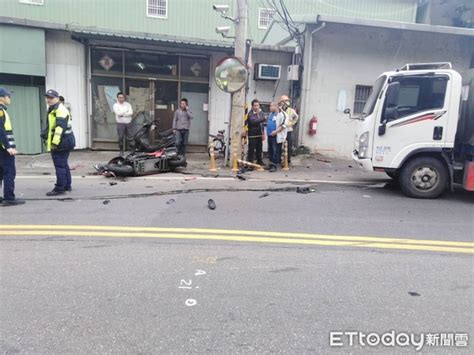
(468, 181)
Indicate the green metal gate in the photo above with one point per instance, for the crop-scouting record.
(25, 114)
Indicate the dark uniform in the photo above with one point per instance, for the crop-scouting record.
(7, 161)
(59, 141)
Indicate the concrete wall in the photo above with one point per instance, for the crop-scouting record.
(443, 13)
(267, 90)
(219, 101)
(65, 72)
(345, 56)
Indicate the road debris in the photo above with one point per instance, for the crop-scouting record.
(66, 199)
(304, 190)
(171, 201)
(264, 195)
(106, 202)
(112, 183)
(211, 204)
(414, 294)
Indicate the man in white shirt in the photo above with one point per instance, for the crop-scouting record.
(123, 115)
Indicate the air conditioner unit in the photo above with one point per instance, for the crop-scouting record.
(267, 72)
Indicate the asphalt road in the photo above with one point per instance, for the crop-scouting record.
(256, 275)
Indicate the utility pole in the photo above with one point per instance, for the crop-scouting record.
(238, 98)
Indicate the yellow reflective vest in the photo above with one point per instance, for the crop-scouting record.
(7, 124)
(56, 133)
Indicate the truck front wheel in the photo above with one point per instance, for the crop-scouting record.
(424, 177)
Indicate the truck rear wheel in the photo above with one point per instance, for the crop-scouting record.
(424, 177)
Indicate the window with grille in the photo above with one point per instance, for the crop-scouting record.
(31, 2)
(361, 95)
(265, 17)
(157, 8)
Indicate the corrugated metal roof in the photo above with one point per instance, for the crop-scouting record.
(153, 38)
(396, 25)
(276, 31)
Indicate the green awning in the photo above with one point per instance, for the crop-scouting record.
(22, 51)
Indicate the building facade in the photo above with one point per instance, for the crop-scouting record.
(345, 58)
(157, 51)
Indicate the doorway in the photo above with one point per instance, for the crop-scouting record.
(197, 95)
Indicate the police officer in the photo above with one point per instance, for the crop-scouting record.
(59, 141)
(7, 153)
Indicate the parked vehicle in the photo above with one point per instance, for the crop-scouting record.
(418, 127)
(149, 157)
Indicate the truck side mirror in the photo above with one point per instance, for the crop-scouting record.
(347, 111)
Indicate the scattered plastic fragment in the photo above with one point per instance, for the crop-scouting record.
(211, 204)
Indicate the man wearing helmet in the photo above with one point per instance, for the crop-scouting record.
(292, 119)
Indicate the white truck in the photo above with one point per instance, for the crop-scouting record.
(418, 127)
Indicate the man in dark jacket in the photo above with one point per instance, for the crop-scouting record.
(255, 132)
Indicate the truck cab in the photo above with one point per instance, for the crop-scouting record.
(409, 126)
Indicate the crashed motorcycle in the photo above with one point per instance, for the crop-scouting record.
(150, 156)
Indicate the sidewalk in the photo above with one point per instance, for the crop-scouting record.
(304, 168)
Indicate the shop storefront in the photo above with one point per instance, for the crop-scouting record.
(154, 82)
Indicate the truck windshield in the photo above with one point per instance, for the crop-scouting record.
(370, 103)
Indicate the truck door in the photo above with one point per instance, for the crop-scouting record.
(413, 117)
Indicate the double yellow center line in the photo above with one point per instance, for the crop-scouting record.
(236, 236)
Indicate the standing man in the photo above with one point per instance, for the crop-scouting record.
(123, 115)
(59, 141)
(277, 134)
(255, 132)
(181, 125)
(292, 120)
(7, 153)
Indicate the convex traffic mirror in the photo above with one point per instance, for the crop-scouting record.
(231, 74)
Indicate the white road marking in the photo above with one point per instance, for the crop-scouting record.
(190, 302)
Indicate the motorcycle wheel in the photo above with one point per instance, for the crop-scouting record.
(178, 161)
(120, 169)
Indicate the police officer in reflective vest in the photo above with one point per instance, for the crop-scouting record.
(59, 141)
(7, 153)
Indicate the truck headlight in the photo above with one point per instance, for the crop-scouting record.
(363, 144)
